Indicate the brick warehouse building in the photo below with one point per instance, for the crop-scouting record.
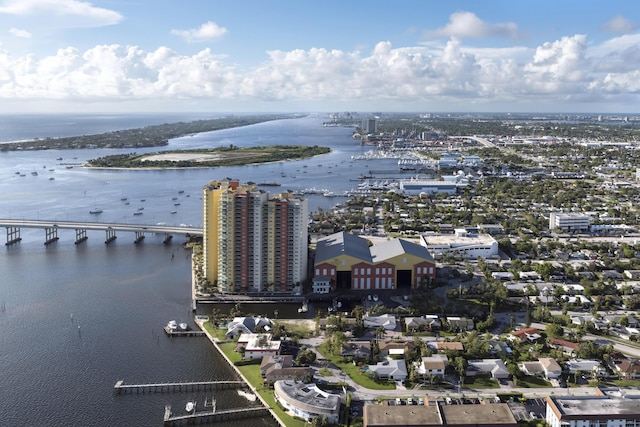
(347, 261)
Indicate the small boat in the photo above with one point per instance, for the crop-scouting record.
(181, 191)
(183, 326)
(34, 173)
(95, 211)
(59, 158)
(124, 199)
(173, 325)
(127, 203)
(17, 172)
(140, 209)
(69, 167)
(173, 212)
(176, 204)
(51, 179)
(174, 198)
(137, 213)
(191, 406)
(143, 200)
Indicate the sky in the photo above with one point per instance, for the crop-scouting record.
(320, 56)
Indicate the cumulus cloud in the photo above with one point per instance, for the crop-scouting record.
(620, 25)
(209, 31)
(69, 13)
(23, 34)
(468, 25)
(567, 68)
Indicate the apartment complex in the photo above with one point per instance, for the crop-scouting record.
(253, 242)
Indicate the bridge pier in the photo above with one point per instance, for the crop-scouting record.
(81, 235)
(167, 239)
(13, 235)
(111, 235)
(139, 237)
(51, 235)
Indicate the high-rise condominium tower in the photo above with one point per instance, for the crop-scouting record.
(253, 242)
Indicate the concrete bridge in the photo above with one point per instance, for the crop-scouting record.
(51, 228)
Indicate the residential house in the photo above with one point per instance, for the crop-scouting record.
(280, 367)
(395, 348)
(433, 366)
(545, 367)
(260, 345)
(567, 347)
(395, 370)
(356, 350)
(528, 334)
(631, 274)
(587, 366)
(626, 368)
(460, 324)
(494, 367)
(247, 325)
(445, 345)
(387, 321)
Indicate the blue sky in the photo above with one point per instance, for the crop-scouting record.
(303, 55)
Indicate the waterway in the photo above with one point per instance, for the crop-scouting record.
(74, 319)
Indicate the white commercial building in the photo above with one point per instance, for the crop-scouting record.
(461, 243)
(569, 221)
(587, 411)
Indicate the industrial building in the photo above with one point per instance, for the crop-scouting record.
(348, 262)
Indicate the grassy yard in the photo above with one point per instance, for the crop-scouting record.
(355, 373)
(625, 383)
(533, 382)
(480, 382)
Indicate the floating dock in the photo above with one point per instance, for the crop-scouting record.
(196, 333)
(206, 417)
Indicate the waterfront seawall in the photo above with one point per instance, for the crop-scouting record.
(214, 341)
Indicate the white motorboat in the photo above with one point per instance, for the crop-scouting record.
(191, 406)
(183, 326)
(173, 325)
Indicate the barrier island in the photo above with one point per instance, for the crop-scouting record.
(148, 136)
(216, 157)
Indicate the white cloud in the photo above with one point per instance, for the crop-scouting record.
(67, 13)
(565, 69)
(468, 25)
(209, 31)
(23, 34)
(619, 24)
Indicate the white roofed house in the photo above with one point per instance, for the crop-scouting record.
(387, 321)
(494, 367)
(247, 325)
(588, 366)
(393, 369)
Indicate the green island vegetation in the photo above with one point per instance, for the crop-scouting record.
(148, 136)
(216, 157)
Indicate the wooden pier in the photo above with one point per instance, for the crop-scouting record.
(206, 417)
(184, 333)
(121, 387)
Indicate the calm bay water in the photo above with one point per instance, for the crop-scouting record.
(74, 319)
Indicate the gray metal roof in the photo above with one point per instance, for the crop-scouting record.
(342, 243)
(395, 247)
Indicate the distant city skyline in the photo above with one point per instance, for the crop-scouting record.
(331, 56)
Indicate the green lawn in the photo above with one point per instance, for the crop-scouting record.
(625, 383)
(355, 373)
(533, 382)
(480, 382)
